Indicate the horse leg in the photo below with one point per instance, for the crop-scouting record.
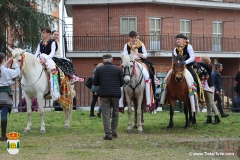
(142, 113)
(186, 110)
(170, 125)
(135, 113)
(67, 114)
(192, 118)
(139, 114)
(41, 112)
(29, 113)
(129, 129)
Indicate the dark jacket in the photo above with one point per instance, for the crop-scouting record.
(216, 79)
(94, 88)
(208, 67)
(109, 79)
(237, 78)
(47, 49)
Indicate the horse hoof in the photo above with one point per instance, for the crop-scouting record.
(26, 131)
(140, 131)
(186, 127)
(194, 122)
(42, 131)
(67, 127)
(129, 130)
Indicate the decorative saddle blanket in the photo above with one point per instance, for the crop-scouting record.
(63, 82)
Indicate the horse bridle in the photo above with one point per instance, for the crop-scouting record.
(126, 69)
(19, 79)
(181, 72)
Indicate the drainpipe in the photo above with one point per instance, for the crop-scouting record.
(108, 29)
(63, 34)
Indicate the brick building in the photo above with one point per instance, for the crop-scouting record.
(102, 26)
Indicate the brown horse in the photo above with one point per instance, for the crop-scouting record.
(177, 89)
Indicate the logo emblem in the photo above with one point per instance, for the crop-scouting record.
(13, 143)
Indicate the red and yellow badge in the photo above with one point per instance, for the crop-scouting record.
(13, 143)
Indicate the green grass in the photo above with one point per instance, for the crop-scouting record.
(84, 139)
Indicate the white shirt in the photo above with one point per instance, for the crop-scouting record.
(51, 55)
(191, 54)
(8, 74)
(145, 54)
(58, 53)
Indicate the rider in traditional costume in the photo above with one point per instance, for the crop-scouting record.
(184, 48)
(65, 65)
(138, 49)
(45, 52)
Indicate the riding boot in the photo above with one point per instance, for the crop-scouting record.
(3, 129)
(217, 120)
(200, 100)
(209, 120)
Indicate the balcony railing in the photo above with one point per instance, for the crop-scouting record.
(152, 43)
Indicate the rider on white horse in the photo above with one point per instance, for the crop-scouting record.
(139, 51)
(45, 52)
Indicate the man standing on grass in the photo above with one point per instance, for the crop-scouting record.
(109, 79)
(216, 79)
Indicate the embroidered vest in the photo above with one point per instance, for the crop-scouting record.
(185, 52)
(47, 49)
(129, 49)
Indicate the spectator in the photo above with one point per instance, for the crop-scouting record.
(157, 92)
(6, 102)
(94, 90)
(236, 99)
(209, 96)
(216, 79)
(109, 79)
(24, 105)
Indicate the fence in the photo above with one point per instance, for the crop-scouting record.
(152, 43)
(84, 95)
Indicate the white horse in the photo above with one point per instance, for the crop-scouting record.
(35, 84)
(134, 90)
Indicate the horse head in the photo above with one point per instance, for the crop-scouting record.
(17, 52)
(178, 67)
(128, 68)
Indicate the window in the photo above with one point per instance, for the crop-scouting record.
(155, 33)
(185, 27)
(128, 24)
(217, 36)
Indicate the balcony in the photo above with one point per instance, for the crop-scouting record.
(154, 44)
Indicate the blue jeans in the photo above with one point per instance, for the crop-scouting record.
(4, 113)
(236, 103)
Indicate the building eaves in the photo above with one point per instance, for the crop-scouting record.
(192, 3)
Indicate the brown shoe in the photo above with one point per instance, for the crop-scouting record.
(114, 135)
(107, 137)
(99, 114)
(121, 109)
